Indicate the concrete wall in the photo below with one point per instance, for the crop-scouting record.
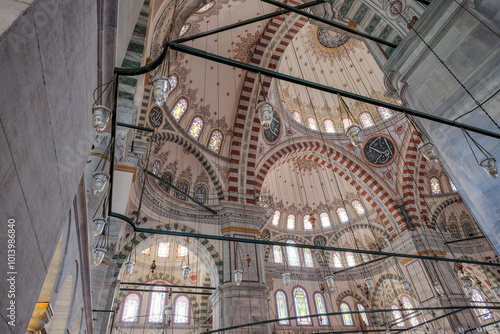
(48, 73)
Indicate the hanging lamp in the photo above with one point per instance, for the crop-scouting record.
(369, 283)
(460, 330)
(185, 272)
(100, 181)
(426, 148)
(467, 284)
(353, 131)
(129, 267)
(100, 117)
(439, 288)
(161, 89)
(99, 224)
(286, 277)
(496, 290)
(330, 282)
(238, 276)
(99, 254)
(479, 329)
(440, 330)
(405, 284)
(489, 163)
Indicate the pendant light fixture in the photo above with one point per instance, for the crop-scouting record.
(489, 163)
(460, 330)
(440, 330)
(467, 284)
(330, 282)
(99, 254)
(152, 268)
(439, 288)
(238, 276)
(405, 284)
(426, 148)
(354, 130)
(185, 272)
(161, 89)
(100, 181)
(265, 109)
(415, 330)
(286, 277)
(387, 331)
(129, 267)
(100, 118)
(496, 290)
(369, 283)
(99, 224)
(479, 329)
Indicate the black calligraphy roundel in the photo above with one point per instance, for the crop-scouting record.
(379, 151)
(155, 117)
(272, 134)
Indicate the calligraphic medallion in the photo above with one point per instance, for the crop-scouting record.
(379, 151)
(272, 134)
(155, 118)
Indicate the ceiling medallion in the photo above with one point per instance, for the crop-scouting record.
(330, 39)
(379, 151)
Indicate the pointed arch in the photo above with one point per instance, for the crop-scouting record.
(179, 109)
(181, 310)
(282, 307)
(196, 127)
(301, 306)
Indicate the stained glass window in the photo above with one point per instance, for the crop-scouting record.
(307, 223)
(366, 120)
(293, 254)
(184, 29)
(468, 229)
(282, 308)
(181, 310)
(156, 167)
(200, 193)
(453, 188)
(349, 257)
(358, 207)
(311, 122)
(344, 218)
(290, 222)
(346, 316)
(181, 251)
(478, 300)
(147, 251)
(205, 8)
(215, 141)
(408, 305)
(363, 315)
(196, 126)
(173, 83)
(167, 177)
(347, 122)
(325, 220)
(296, 116)
(163, 249)
(337, 262)
(455, 233)
(278, 256)
(183, 186)
(157, 304)
(435, 187)
(276, 218)
(398, 316)
(329, 126)
(179, 109)
(308, 259)
(131, 308)
(365, 257)
(321, 308)
(384, 112)
(301, 306)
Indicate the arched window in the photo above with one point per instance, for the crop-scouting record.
(311, 122)
(200, 193)
(325, 220)
(147, 251)
(293, 254)
(347, 123)
(163, 249)
(185, 28)
(276, 218)
(182, 251)
(453, 188)
(435, 187)
(468, 229)
(282, 308)
(296, 117)
(167, 176)
(329, 126)
(290, 222)
(346, 314)
(412, 315)
(343, 217)
(205, 8)
(301, 306)
(337, 262)
(397, 315)
(349, 257)
(173, 83)
(308, 259)
(196, 126)
(384, 112)
(363, 315)
(455, 233)
(365, 257)
(183, 186)
(156, 167)
(278, 256)
(179, 109)
(215, 141)
(156, 304)
(131, 308)
(358, 207)
(321, 308)
(478, 300)
(366, 120)
(307, 223)
(181, 310)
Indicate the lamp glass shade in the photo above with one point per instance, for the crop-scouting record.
(286, 279)
(439, 288)
(98, 256)
(100, 181)
(405, 284)
(185, 272)
(330, 282)
(490, 166)
(265, 112)
(168, 310)
(354, 134)
(238, 276)
(460, 330)
(479, 329)
(369, 283)
(427, 150)
(440, 330)
(100, 118)
(161, 88)
(129, 267)
(467, 284)
(99, 224)
(388, 331)
(496, 290)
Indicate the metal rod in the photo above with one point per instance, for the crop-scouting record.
(181, 192)
(284, 244)
(328, 89)
(330, 23)
(360, 265)
(161, 291)
(168, 285)
(468, 239)
(458, 308)
(427, 3)
(137, 127)
(104, 311)
(112, 149)
(249, 21)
